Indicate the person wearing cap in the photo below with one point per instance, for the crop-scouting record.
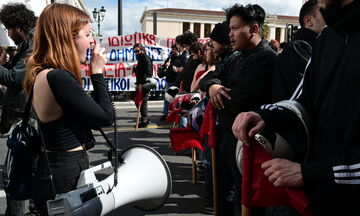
(243, 83)
(221, 42)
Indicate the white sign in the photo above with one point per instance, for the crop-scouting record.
(119, 72)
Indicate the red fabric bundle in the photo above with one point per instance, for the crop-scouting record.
(208, 126)
(184, 138)
(257, 190)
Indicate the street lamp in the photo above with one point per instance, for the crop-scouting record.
(99, 17)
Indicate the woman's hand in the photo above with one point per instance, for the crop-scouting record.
(98, 60)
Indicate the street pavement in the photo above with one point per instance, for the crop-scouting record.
(185, 199)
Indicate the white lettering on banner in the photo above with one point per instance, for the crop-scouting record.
(121, 84)
(119, 71)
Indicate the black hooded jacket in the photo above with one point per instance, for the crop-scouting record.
(249, 76)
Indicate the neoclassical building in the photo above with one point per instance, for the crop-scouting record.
(170, 22)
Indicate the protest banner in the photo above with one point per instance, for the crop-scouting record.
(119, 71)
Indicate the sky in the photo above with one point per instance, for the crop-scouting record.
(133, 9)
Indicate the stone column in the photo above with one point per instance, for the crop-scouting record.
(202, 30)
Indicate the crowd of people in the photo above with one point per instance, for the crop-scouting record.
(238, 72)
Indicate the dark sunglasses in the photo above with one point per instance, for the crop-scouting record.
(137, 51)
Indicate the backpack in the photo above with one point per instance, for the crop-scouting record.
(23, 146)
(196, 114)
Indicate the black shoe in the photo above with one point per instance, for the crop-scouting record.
(163, 118)
(143, 124)
(209, 209)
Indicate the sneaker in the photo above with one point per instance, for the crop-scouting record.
(163, 118)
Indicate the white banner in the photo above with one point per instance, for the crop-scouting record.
(119, 71)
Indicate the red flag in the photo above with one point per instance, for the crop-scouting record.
(257, 190)
(184, 138)
(208, 126)
(175, 109)
(139, 96)
(174, 116)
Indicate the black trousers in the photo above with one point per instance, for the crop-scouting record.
(65, 168)
(144, 106)
(228, 175)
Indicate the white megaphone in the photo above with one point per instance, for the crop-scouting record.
(144, 181)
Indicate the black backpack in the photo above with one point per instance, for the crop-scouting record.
(23, 147)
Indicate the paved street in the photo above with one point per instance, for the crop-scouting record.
(185, 198)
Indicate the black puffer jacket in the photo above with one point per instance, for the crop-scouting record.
(249, 76)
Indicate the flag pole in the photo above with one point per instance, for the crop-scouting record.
(139, 108)
(193, 160)
(245, 211)
(215, 183)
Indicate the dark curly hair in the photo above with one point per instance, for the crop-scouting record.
(187, 38)
(17, 15)
(250, 14)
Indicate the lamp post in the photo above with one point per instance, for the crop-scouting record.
(99, 15)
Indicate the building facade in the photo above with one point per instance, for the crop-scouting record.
(170, 22)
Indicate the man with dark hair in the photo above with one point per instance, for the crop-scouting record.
(143, 72)
(183, 43)
(331, 97)
(292, 61)
(19, 22)
(187, 75)
(243, 84)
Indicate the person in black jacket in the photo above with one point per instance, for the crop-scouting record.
(330, 174)
(221, 41)
(183, 43)
(187, 75)
(291, 62)
(143, 71)
(19, 22)
(243, 84)
(167, 70)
